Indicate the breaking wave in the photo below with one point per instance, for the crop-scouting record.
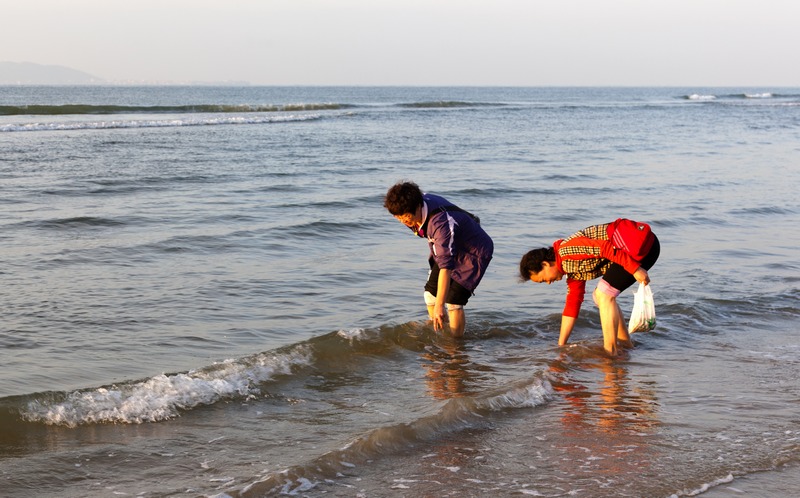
(163, 397)
(456, 415)
(82, 109)
(155, 123)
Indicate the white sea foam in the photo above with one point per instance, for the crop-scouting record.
(154, 123)
(163, 396)
(697, 96)
(705, 487)
(527, 396)
(351, 334)
(765, 95)
(303, 485)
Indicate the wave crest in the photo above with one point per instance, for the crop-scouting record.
(155, 123)
(83, 109)
(163, 397)
(457, 414)
(445, 104)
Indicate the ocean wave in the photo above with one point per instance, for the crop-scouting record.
(445, 104)
(700, 97)
(76, 222)
(315, 229)
(705, 487)
(163, 397)
(745, 96)
(751, 98)
(163, 123)
(83, 109)
(762, 211)
(456, 415)
(762, 95)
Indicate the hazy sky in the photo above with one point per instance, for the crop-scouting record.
(413, 42)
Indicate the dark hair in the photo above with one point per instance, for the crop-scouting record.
(403, 198)
(532, 261)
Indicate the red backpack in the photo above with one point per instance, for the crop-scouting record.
(633, 237)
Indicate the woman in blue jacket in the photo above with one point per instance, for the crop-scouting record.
(460, 250)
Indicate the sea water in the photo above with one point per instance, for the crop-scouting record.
(203, 295)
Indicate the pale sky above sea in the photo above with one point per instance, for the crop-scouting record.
(412, 42)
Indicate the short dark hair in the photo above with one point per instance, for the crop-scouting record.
(532, 261)
(402, 198)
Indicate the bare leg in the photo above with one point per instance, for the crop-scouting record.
(610, 320)
(623, 338)
(458, 322)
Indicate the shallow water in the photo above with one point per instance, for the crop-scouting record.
(204, 295)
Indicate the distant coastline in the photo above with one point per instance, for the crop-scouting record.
(29, 73)
(33, 74)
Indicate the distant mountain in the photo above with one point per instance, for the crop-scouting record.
(28, 73)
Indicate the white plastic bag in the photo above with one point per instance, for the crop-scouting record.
(643, 316)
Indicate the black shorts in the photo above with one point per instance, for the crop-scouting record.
(457, 294)
(620, 279)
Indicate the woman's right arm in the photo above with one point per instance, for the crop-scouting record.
(567, 324)
(576, 289)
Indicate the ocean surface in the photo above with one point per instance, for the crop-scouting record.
(202, 294)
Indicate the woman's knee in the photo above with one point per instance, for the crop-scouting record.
(605, 293)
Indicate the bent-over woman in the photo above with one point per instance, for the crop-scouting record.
(589, 254)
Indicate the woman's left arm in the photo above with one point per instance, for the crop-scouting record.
(442, 288)
(641, 276)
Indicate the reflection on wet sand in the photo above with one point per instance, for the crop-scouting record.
(605, 417)
(448, 372)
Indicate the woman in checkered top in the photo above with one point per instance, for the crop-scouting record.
(586, 255)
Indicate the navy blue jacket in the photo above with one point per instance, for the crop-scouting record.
(457, 241)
